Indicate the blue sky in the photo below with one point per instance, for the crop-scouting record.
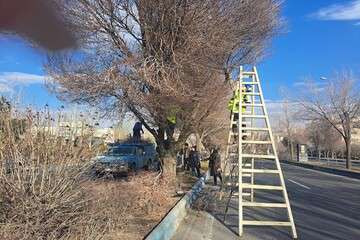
(321, 37)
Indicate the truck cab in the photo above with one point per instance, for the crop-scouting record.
(122, 158)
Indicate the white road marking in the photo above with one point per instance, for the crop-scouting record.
(299, 184)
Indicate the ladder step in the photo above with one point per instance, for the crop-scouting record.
(258, 156)
(251, 94)
(253, 116)
(244, 165)
(261, 171)
(243, 194)
(270, 205)
(256, 142)
(250, 83)
(252, 105)
(248, 73)
(254, 129)
(265, 187)
(243, 123)
(266, 223)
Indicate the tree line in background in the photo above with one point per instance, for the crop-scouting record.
(161, 58)
(324, 116)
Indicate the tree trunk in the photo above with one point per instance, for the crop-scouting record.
(348, 152)
(291, 150)
(199, 144)
(166, 156)
(347, 139)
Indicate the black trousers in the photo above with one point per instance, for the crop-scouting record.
(196, 169)
(217, 175)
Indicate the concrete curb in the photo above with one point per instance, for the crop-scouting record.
(167, 227)
(340, 172)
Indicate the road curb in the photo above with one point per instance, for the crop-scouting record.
(340, 172)
(168, 225)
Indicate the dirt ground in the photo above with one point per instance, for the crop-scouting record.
(130, 208)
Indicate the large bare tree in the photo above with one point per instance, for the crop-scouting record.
(159, 57)
(322, 135)
(337, 103)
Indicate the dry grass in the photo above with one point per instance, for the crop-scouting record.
(46, 192)
(133, 207)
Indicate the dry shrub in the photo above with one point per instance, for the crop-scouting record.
(130, 208)
(46, 191)
(40, 194)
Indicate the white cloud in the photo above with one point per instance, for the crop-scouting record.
(309, 84)
(9, 80)
(342, 12)
(5, 88)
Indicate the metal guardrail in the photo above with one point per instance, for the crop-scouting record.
(336, 161)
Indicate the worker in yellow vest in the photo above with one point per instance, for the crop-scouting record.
(234, 103)
(171, 123)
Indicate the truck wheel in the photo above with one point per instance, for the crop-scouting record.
(133, 169)
(148, 165)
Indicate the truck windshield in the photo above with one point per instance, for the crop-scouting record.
(122, 151)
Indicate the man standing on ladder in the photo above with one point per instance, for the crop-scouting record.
(233, 105)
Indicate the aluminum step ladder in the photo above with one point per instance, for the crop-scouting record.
(251, 140)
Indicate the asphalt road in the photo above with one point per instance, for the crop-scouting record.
(325, 206)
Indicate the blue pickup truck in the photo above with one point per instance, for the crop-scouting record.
(123, 158)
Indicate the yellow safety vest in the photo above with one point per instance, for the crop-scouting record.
(233, 104)
(172, 115)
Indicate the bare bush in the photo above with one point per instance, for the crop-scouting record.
(47, 192)
(40, 195)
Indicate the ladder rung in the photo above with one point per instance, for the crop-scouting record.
(251, 94)
(236, 133)
(261, 171)
(266, 223)
(243, 123)
(253, 116)
(246, 175)
(249, 83)
(252, 105)
(254, 129)
(233, 144)
(265, 187)
(244, 165)
(256, 142)
(243, 194)
(258, 156)
(270, 205)
(248, 73)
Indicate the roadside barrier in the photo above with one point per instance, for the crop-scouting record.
(336, 171)
(167, 227)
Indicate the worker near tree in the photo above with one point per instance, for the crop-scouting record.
(215, 165)
(186, 157)
(195, 161)
(137, 130)
(234, 104)
(171, 120)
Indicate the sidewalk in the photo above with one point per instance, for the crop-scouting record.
(201, 224)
